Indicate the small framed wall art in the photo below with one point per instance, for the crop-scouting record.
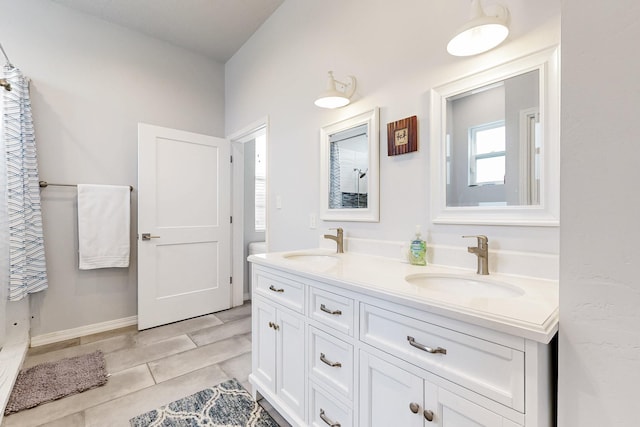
(402, 136)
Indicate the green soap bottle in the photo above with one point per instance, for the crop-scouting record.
(418, 250)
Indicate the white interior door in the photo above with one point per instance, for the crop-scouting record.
(184, 265)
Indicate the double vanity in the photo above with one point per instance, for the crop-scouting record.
(350, 339)
(358, 340)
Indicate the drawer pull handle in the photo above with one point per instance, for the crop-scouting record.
(330, 363)
(274, 326)
(273, 288)
(326, 310)
(423, 347)
(414, 407)
(428, 415)
(324, 418)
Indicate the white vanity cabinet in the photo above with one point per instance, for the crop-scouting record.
(329, 354)
(391, 395)
(492, 369)
(278, 337)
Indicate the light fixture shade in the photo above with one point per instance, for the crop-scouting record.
(329, 101)
(332, 97)
(481, 33)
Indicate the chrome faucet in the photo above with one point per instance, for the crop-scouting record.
(482, 252)
(339, 239)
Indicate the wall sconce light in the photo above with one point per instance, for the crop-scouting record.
(482, 33)
(334, 98)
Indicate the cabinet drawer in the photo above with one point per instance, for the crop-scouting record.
(282, 290)
(325, 411)
(488, 368)
(331, 362)
(331, 309)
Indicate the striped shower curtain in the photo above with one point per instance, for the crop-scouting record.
(27, 266)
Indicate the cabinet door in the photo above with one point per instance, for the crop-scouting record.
(291, 361)
(264, 344)
(456, 411)
(389, 396)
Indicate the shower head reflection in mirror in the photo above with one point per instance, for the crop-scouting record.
(349, 169)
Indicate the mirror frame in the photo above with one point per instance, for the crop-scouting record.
(372, 212)
(547, 213)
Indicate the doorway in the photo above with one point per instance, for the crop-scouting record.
(249, 202)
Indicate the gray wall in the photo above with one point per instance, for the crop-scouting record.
(92, 82)
(282, 68)
(599, 348)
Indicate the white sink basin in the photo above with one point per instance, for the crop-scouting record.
(311, 257)
(318, 261)
(465, 286)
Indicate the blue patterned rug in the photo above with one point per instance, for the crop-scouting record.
(227, 404)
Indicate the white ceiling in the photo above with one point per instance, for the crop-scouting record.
(214, 28)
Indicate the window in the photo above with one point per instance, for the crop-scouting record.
(487, 154)
(261, 182)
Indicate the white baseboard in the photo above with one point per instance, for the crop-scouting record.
(83, 331)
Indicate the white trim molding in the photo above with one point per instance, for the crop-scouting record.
(238, 260)
(82, 331)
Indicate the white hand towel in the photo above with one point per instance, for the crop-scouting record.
(103, 226)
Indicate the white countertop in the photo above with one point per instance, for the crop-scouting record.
(532, 315)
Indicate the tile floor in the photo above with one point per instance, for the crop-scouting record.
(148, 369)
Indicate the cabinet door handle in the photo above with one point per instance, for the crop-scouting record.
(273, 288)
(324, 418)
(274, 326)
(330, 363)
(428, 415)
(326, 310)
(414, 407)
(423, 347)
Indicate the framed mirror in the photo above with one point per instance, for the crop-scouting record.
(349, 169)
(495, 150)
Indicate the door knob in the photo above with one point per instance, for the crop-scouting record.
(428, 415)
(414, 407)
(148, 236)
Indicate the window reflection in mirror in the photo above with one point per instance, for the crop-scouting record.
(493, 144)
(349, 167)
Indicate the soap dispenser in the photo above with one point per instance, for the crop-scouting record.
(418, 249)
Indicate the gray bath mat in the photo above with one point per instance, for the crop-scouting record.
(225, 405)
(54, 380)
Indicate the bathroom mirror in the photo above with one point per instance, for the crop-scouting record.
(349, 169)
(495, 145)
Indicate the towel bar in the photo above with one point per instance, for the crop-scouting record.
(45, 184)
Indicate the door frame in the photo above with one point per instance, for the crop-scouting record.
(237, 139)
